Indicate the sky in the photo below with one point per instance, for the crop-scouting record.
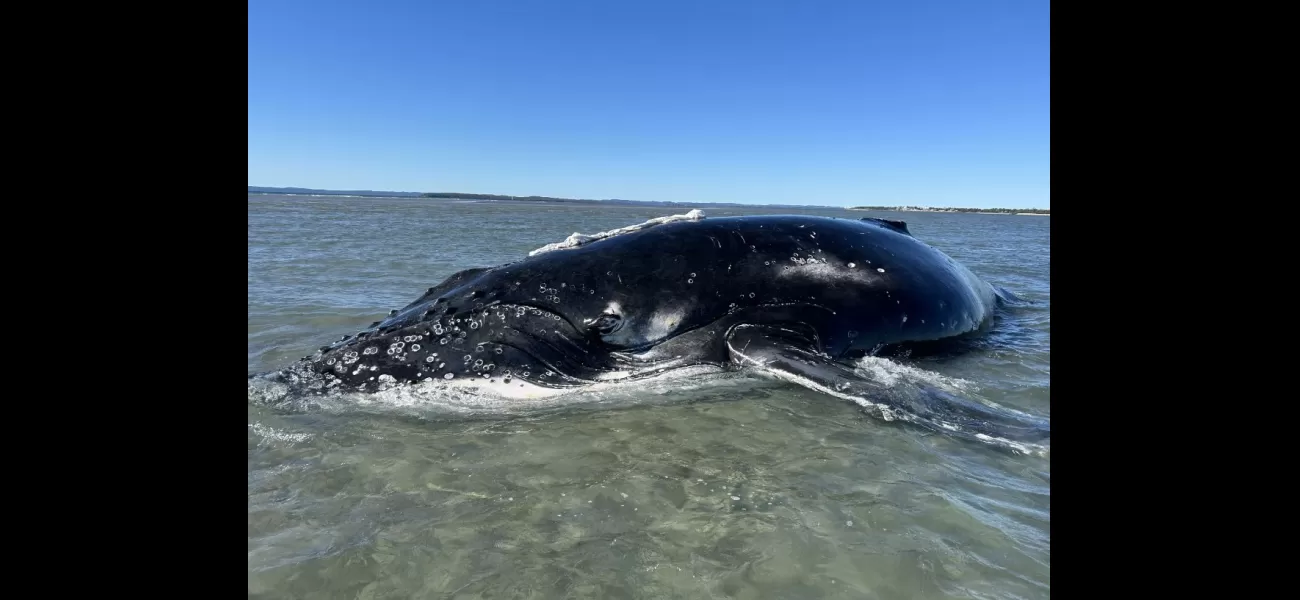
(825, 102)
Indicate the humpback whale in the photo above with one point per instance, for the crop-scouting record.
(794, 297)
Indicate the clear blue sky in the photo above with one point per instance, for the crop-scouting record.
(934, 103)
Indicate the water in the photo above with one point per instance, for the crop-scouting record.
(724, 487)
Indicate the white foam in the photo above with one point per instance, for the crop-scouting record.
(278, 435)
(578, 239)
(475, 397)
(889, 374)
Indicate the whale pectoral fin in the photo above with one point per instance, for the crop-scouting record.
(790, 356)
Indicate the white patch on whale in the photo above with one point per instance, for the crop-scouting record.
(578, 239)
(821, 271)
(663, 323)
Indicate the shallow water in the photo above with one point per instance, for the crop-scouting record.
(698, 487)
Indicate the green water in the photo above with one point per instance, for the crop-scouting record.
(726, 487)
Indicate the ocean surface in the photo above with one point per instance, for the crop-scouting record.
(709, 487)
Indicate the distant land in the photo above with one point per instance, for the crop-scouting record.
(990, 211)
(548, 199)
(295, 191)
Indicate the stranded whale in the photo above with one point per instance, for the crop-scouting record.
(794, 297)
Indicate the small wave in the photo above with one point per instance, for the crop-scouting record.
(271, 434)
(910, 394)
(434, 399)
(939, 402)
(889, 374)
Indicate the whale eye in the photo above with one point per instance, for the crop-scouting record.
(607, 323)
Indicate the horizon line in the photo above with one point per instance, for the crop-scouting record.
(454, 195)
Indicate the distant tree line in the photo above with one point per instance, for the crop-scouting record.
(466, 196)
(460, 196)
(1036, 211)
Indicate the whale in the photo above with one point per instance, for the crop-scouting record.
(797, 298)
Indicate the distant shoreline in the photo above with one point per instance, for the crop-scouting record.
(1028, 212)
(253, 191)
(312, 193)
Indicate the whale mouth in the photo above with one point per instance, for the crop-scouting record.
(546, 348)
(494, 344)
